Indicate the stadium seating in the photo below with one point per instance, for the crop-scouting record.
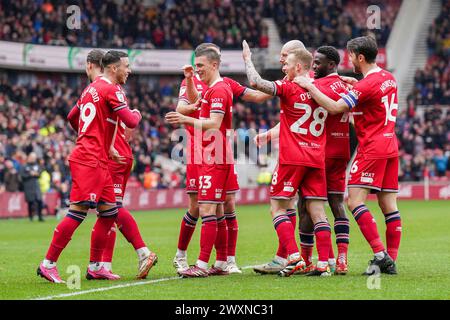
(179, 24)
(425, 138)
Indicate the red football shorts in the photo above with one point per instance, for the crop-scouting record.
(212, 181)
(232, 181)
(191, 178)
(90, 185)
(192, 170)
(375, 174)
(287, 179)
(335, 171)
(120, 174)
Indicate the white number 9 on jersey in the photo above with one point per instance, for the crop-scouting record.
(87, 114)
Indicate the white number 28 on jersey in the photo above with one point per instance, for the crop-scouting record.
(319, 116)
(87, 114)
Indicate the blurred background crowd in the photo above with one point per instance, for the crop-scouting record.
(33, 106)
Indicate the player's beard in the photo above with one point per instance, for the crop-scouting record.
(356, 69)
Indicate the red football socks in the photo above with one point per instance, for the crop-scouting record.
(109, 248)
(129, 228)
(393, 233)
(322, 232)
(221, 239)
(63, 233)
(187, 229)
(286, 233)
(207, 237)
(368, 227)
(99, 237)
(233, 229)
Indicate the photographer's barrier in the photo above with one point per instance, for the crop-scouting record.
(13, 205)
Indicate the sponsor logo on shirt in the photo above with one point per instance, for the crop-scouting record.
(216, 105)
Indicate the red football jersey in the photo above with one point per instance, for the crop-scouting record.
(98, 104)
(302, 127)
(201, 88)
(237, 90)
(373, 102)
(338, 139)
(217, 99)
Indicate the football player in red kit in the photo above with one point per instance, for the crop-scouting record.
(120, 165)
(213, 173)
(337, 155)
(301, 158)
(92, 186)
(373, 102)
(192, 89)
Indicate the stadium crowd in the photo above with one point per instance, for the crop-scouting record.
(32, 112)
(425, 138)
(175, 24)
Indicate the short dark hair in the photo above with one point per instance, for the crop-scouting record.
(206, 45)
(331, 53)
(112, 56)
(209, 53)
(367, 46)
(95, 56)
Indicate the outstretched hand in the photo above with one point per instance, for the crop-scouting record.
(246, 53)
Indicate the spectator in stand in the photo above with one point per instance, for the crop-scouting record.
(29, 174)
(11, 177)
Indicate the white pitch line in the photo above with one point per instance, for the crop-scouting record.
(132, 284)
(125, 285)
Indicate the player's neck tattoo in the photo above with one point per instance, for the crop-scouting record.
(256, 81)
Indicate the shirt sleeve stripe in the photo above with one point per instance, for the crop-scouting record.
(353, 97)
(217, 111)
(120, 107)
(348, 101)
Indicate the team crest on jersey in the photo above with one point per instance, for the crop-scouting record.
(192, 183)
(120, 96)
(93, 197)
(182, 91)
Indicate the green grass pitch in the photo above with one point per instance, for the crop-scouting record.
(423, 262)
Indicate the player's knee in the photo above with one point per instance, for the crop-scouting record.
(110, 212)
(229, 205)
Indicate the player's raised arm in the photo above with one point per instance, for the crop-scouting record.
(255, 96)
(333, 107)
(191, 90)
(253, 76)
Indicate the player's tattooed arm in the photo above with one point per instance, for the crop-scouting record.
(256, 81)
